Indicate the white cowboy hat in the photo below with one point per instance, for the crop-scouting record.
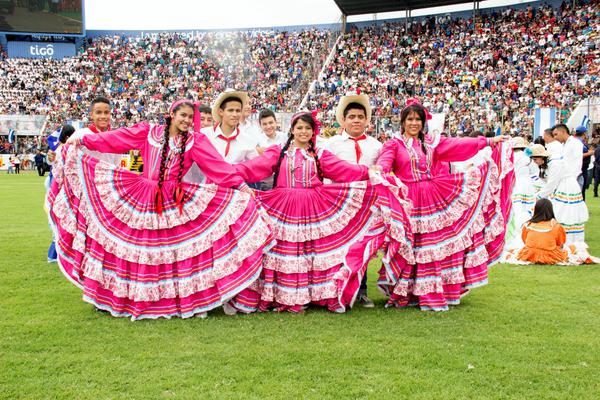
(361, 99)
(537, 150)
(228, 93)
(519, 142)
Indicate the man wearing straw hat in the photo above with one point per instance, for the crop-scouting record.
(353, 113)
(234, 145)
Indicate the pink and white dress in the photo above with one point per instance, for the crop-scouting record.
(131, 260)
(325, 233)
(457, 219)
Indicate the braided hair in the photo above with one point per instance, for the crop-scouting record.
(164, 151)
(420, 111)
(284, 149)
(543, 168)
(312, 150)
(178, 194)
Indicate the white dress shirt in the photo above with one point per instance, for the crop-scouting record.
(343, 147)
(555, 149)
(242, 148)
(573, 156)
(265, 141)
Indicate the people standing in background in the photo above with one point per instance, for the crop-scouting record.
(270, 136)
(596, 170)
(17, 163)
(584, 180)
(562, 188)
(268, 126)
(11, 165)
(100, 117)
(553, 146)
(203, 117)
(39, 163)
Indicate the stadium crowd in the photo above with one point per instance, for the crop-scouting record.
(496, 71)
(484, 74)
(140, 75)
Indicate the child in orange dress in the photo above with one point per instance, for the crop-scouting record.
(543, 237)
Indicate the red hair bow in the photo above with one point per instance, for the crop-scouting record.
(318, 123)
(413, 101)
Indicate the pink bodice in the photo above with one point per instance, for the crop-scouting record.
(298, 168)
(148, 139)
(405, 157)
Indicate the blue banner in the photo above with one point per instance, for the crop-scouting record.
(40, 50)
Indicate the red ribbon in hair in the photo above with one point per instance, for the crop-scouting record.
(413, 101)
(159, 202)
(179, 198)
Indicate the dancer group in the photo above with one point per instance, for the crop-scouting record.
(189, 235)
(549, 211)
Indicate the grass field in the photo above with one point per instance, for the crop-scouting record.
(532, 333)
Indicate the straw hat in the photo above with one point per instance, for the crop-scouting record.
(352, 97)
(537, 150)
(228, 93)
(519, 142)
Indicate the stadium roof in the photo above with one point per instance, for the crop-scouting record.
(355, 7)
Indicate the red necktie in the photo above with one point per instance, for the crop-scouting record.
(357, 147)
(228, 140)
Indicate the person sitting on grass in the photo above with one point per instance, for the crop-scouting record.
(544, 240)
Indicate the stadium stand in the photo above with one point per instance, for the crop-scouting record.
(493, 72)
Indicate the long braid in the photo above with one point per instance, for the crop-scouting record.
(179, 193)
(184, 136)
(422, 140)
(543, 169)
(284, 149)
(311, 149)
(161, 170)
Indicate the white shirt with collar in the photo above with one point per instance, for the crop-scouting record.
(555, 148)
(265, 141)
(573, 156)
(242, 148)
(251, 129)
(343, 147)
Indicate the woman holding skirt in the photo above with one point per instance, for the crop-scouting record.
(150, 245)
(457, 219)
(325, 233)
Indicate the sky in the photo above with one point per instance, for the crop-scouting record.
(226, 14)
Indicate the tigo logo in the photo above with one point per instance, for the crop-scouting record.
(37, 50)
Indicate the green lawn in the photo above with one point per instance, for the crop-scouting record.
(532, 333)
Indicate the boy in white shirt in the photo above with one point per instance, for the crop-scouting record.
(234, 145)
(354, 145)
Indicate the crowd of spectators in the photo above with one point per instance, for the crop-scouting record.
(140, 75)
(493, 72)
(21, 145)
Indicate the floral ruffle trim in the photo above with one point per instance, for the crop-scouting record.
(434, 284)
(455, 210)
(300, 296)
(321, 229)
(395, 221)
(149, 219)
(173, 288)
(464, 239)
